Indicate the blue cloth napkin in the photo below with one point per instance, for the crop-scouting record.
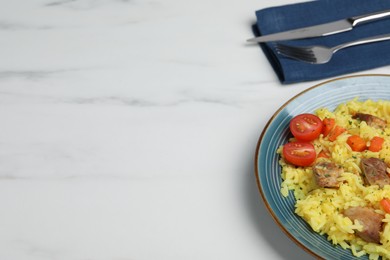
(354, 59)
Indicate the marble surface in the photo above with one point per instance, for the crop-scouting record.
(129, 130)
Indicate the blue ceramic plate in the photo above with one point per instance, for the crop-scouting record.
(268, 172)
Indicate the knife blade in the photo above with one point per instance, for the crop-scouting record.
(323, 29)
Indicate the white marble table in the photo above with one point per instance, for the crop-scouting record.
(129, 130)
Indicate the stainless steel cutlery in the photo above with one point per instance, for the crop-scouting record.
(321, 54)
(323, 29)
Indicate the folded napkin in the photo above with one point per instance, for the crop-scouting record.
(354, 59)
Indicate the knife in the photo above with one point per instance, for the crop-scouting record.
(323, 29)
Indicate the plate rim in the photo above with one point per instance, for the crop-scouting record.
(260, 139)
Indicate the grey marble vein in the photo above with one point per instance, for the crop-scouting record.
(32, 74)
(10, 26)
(60, 2)
(80, 4)
(138, 102)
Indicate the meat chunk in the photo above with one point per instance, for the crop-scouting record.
(326, 174)
(371, 120)
(369, 219)
(374, 170)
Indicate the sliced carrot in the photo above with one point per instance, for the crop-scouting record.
(385, 203)
(328, 124)
(376, 144)
(335, 132)
(356, 143)
(323, 154)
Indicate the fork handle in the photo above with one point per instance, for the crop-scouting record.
(377, 38)
(355, 20)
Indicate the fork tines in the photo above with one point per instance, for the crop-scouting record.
(296, 52)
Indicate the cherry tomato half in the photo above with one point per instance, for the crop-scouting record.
(306, 127)
(299, 153)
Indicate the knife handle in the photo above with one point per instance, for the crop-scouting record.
(369, 17)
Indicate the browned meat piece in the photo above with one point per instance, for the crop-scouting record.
(371, 120)
(374, 170)
(326, 174)
(369, 219)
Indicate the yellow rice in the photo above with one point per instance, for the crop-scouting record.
(322, 208)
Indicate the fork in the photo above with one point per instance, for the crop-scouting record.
(318, 54)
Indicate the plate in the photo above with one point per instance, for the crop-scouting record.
(276, 133)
